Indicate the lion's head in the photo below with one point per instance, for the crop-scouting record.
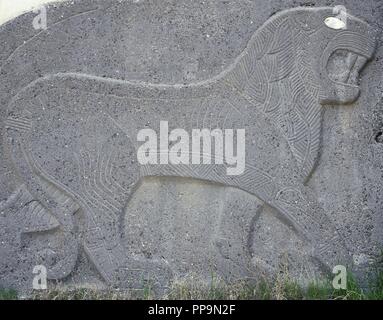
(297, 61)
(337, 46)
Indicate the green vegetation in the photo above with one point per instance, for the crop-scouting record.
(196, 290)
(8, 294)
(282, 287)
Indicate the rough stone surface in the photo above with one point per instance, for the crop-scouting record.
(73, 97)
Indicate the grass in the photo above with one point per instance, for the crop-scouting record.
(8, 294)
(199, 291)
(192, 288)
(80, 294)
(281, 287)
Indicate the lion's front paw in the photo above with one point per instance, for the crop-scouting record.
(333, 253)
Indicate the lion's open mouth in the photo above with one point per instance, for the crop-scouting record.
(342, 59)
(344, 67)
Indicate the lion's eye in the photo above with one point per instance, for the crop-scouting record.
(334, 23)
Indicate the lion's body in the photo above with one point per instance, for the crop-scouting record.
(102, 146)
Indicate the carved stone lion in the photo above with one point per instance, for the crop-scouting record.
(72, 136)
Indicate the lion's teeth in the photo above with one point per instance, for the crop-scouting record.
(344, 66)
(355, 69)
(351, 59)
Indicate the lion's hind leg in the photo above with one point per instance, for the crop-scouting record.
(109, 175)
(299, 206)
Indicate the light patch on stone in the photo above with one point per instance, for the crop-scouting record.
(361, 259)
(10, 9)
(335, 23)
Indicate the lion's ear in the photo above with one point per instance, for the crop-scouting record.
(279, 59)
(260, 43)
(269, 57)
(307, 21)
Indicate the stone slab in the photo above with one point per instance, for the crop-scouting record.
(74, 97)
